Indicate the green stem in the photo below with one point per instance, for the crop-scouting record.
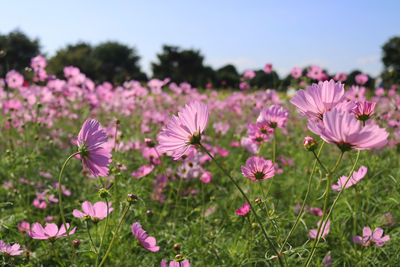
(266, 211)
(304, 201)
(320, 163)
(323, 221)
(202, 207)
(264, 197)
(90, 238)
(250, 243)
(116, 195)
(116, 175)
(279, 256)
(97, 233)
(60, 196)
(104, 234)
(274, 147)
(355, 216)
(115, 234)
(338, 196)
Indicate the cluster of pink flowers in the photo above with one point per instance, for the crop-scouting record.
(331, 117)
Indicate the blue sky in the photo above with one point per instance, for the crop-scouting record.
(337, 35)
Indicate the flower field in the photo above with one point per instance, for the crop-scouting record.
(164, 174)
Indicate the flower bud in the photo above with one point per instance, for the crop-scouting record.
(76, 243)
(103, 193)
(176, 247)
(257, 201)
(310, 144)
(132, 198)
(364, 110)
(149, 142)
(149, 212)
(179, 257)
(87, 218)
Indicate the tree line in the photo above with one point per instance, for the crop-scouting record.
(116, 62)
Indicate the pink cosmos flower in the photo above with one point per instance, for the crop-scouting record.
(313, 232)
(14, 79)
(355, 178)
(356, 93)
(327, 261)
(64, 190)
(45, 174)
(243, 210)
(368, 237)
(71, 71)
(91, 141)
(316, 211)
(42, 199)
(296, 72)
(244, 86)
(143, 171)
(249, 74)
(234, 144)
(273, 116)
(340, 77)
(249, 145)
(361, 78)
(206, 177)
(258, 169)
(380, 92)
(318, 98)
(221, 127)
(10, 250)
(260, 132)
(24, 227)
(50, 231)
(184, 263)
(148, 242)
(364, 110)
(12, 104)
(38, 62)
(314, 72)
(96, 212)
(49, 219)
(343, 129)
(184, 130)
(268, 68)
(151, 154)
